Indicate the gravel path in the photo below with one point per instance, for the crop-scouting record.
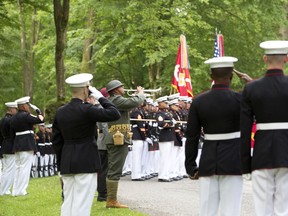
(180, 198)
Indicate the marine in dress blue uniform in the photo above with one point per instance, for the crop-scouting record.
(266, 100)
(8, 161)
(138, 138)
(41, 137)
(24, 143)
(166, 139)
(217, 111)
(73, 139)
(177, 155)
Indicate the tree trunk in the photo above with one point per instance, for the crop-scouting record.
(26, 74)
(284, 30)
(86, 65)
(32, 54)
(61, 15)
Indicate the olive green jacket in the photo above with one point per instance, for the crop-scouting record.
(124, 105)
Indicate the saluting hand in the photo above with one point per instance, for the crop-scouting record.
(95, 93)
(243, 76)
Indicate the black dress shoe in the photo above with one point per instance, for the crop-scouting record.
(101, 199)
(128, 173)
(148, 177)
(139, 179)
(155, 174)
(164, 180)
(177, 178)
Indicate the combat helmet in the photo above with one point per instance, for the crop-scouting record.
(113, 85)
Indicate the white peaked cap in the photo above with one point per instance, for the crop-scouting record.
(220, 62)
(161, 99)
(48, 126)
(183, 98)
(79, 80)
(149, 101)
(23, 100)
(173, 96)
(11, 104)
(173, 102)
(189, 100)
(275, 47)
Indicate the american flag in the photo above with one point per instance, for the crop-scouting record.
(219, 45)
(218, 48)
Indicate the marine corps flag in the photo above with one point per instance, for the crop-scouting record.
(181, 80)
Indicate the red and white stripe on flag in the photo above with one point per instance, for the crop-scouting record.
(219, 45)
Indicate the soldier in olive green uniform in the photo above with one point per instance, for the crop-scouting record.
(119, 137)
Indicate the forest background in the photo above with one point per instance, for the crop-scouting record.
(43, 42)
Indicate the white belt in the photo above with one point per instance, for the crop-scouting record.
(41, 144)
(24, 132)
(47, 144)
(224, 136)
(134, 126)
(272, 126)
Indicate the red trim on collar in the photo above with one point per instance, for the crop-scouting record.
(274, 74)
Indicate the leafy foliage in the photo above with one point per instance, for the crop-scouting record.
(136, 41)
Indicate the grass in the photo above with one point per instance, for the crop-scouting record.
(44, 199)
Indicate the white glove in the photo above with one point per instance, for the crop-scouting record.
(149, 141)
(174, 121)
(38, 111)
(33, 107)
(247, 177)
(95, 93)
(38, 154)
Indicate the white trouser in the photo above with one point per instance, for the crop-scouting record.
(181, 159)
(46, 163)
(150, 162)
(8, 173)
(198, 156)
(270, 191)
(174, 162)
(145, 159)
(79, 191)
(156, 161)
(137, 150)
(51, 164)
(1, 166)
(220, 192)
(128, 163)
(164, 159)
(23, 162)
